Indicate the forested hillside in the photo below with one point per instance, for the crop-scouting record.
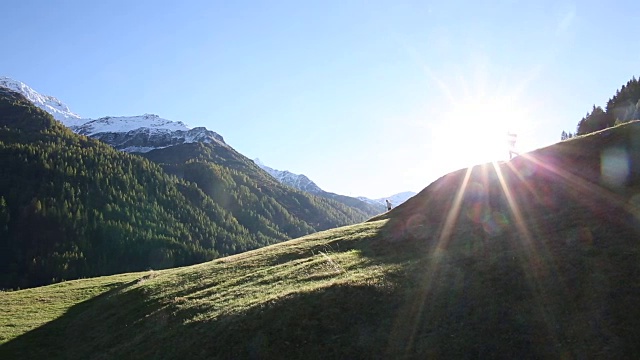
(623, 107)
(73, 207)
(257, 200)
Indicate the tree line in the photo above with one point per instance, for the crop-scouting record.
(623, 107)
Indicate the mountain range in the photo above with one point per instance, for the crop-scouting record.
(302, 182)
(72, 206)
(143, 133)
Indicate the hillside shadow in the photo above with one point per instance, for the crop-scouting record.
(355, 322)
(77, 333)
(473, 309)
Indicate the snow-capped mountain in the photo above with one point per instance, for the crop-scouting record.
(395, 199)
(127, 133)
(53, 106)
(128, 123)
(145, 132)
(148, 132)
(301, 182)
(297, 181)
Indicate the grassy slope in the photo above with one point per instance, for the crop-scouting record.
(537, 260)
(213, 308)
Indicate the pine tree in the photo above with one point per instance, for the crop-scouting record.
(596, 120)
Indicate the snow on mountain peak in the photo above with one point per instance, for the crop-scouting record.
(129, 123)
(50, 104)
(298, 181)
(140, 133)
(303, 183)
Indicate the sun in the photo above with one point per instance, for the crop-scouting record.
(476, 129)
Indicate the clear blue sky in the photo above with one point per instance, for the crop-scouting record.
(365, 97)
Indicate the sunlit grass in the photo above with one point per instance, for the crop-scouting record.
(22, 311)
(226, 287)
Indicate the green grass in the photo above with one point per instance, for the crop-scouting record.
(127, 315)
(28, 310)
(462, 270)
(346, 293)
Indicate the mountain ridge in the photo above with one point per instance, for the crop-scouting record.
(139, 133)
(144, 133)
(298, 181)
(50, 104)
(302, 182)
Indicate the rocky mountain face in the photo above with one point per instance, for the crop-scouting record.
(297, 181)
(144, 139)
(144, 133)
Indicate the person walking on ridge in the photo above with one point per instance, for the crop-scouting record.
(388, 204)
(511, 140)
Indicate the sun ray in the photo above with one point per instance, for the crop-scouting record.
(471, 127)
(533, 265)
(454, 212)
(410, 322)
(581, 185)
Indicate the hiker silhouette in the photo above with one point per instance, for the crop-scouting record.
(511, 140)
